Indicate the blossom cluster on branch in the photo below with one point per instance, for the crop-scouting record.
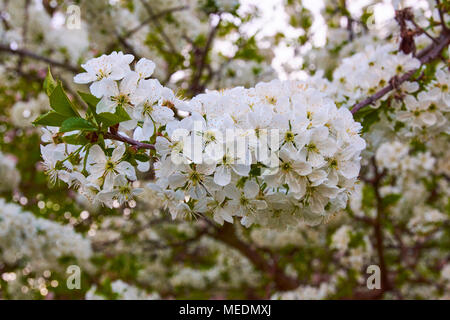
(144, 162)
(272, 154)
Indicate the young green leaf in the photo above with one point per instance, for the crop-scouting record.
(51, 118)
(61, 103)
(110, 119)
(91, 100)
(391, 199)
(49, 83)
(75, 123)
(76, 139)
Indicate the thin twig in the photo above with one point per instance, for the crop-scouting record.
(128, 47)
(441, 15)
(428, 54)
(423, 31)
(196, 86)
(29, 54)
(137, 144)
(153, 17)
(159, 27)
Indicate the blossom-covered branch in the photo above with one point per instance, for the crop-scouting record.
(430, 53)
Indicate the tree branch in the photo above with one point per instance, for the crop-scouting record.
(159, 27)
(196, 86)
(385, 285)
(29, 54)
(137, 144)
(227, 235)
(441, 14)
(430, 53)
(153, 17)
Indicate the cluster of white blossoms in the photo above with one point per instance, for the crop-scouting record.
(238, 269)
(366, 72)
(297, 155)
(272, 154)
(309, 292)
(238, 72)
(413, 109)
(351, 255)
(428, 110)
(123, 291)
(299, 236)
(46, 33)
(411, 174)
(26, 240)
(9, 175)
(395, 156)
(425, 220)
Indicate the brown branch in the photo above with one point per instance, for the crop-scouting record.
(24, 31)
(428, 54)
(158, 25)
(196, 86)
(441, 14)
(385, 283)
(29, 54)
(227, 235)
(127, 46)
(346, 13)
(137, 144)
(364, 219)
(153, 17)
(422, 30)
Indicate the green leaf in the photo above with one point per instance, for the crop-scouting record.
(368, 196)
(106, 118)
(76, 139)
(391, 199)
(90, 99)
(142, 157)
(92, 102)
(369, 119)
(75, 123)
(50, 118)
(49, 83)
(61, 103)
(110, 119)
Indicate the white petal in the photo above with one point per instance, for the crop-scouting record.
(106, 105)
(350, 169)
(129, 84)
(118, 153)
(109, 181)
(126, 169)
(251, 189)
(104, 87)
(128, 125)
(327, 147)
(96, 155)
(222, 176)
(84, 78)
(145, 68)
(241, 169)
(315, 159)
(302, 168)
(143, 166)
(428, 118)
